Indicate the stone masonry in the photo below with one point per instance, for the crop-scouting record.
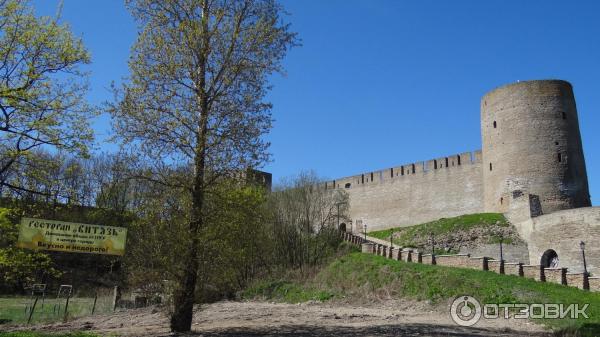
(531, 168)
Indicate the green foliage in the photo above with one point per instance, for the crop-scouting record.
(237, 243)
(19, 267)
(42, 91)
(411, 236)
(235, 247)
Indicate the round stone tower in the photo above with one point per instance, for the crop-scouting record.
(532, 146)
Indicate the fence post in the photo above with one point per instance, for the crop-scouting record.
(116, 297)
(67, 306)
(95, 299)
(32, 309)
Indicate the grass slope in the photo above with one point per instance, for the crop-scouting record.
(358, 275)
(412, 236)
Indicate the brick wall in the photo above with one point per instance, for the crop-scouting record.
(556, 275)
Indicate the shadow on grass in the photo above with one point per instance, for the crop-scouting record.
(379, 330)
(585, 330)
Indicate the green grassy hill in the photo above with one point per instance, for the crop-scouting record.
(451, 233)
(363, 276)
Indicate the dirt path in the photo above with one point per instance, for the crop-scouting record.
(389, 318)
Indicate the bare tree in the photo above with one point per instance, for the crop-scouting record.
(305, 216)
(199, 75)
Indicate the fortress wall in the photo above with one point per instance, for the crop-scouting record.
(398, 197)
(562, 231)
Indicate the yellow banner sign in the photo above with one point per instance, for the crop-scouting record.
(71, 237)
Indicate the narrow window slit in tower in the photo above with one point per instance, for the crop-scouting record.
(446, 161)
(490, 166)
(402, 170)
(362, 178)
(435, 164)
(458, 157)
(501, 200)
(495, 124)
(559, 157)
(392, 172)
(371, 176)
(564, 115)
(413, 168)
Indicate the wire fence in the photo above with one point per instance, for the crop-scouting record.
(54, 306)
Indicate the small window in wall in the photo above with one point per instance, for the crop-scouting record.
(334, 184)
(501, 201)
(555, 143)
(362, 178)
(435, 164)
(413, 168)
(446, 162)
(564, 115)
(495, 124)
(458, 159)
(371, 176)
(490, 166)
(402, 170)
(392, 172)
(560, 157)
(347, 185)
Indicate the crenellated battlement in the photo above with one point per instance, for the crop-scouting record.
(531, 165)
(406, 171)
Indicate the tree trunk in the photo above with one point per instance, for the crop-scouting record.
(181, 320)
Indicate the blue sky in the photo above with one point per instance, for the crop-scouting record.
(380, 83)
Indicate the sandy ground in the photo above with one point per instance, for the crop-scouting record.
(254, 318)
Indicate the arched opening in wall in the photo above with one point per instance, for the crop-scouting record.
(343, 227)
(413, 168)
(458, 159)
(402, 170)
(549, 259)
(347, 185)
(435, 164)
(362, 179)
(392, 172)
(495, 124)
(446, 161)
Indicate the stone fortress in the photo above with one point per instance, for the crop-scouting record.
(531, 168)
